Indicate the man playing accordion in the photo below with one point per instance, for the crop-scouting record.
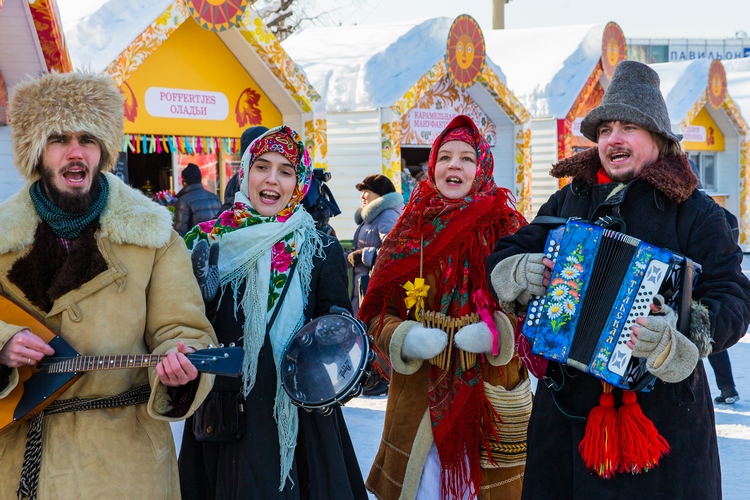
(639, 175)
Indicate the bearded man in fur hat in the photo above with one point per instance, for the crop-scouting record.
(639, 176)
(99, 264)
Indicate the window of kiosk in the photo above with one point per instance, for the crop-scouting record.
(706, 163)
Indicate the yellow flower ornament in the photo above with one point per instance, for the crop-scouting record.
(415, 295)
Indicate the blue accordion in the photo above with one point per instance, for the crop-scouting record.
(602, 282)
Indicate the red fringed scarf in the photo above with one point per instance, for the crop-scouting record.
(456, 237)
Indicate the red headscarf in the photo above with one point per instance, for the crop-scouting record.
(456, 235)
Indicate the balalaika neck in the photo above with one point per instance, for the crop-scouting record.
(92, 363)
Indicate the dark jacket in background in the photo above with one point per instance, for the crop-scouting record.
(194, 205)
(661, 208)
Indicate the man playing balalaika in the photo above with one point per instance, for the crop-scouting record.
(639, 175)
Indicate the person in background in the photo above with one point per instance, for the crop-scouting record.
(450, 431)
(274, 272)
(194, 203)
(99, 264)
(720, 362)
(381, 208)
(651, 443)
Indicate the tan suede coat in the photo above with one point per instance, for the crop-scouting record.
(146, 301)
(407, 433)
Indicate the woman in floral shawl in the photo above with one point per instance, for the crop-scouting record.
(449, 433)
(267, 239)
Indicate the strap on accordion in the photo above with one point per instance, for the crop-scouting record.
(686, 297)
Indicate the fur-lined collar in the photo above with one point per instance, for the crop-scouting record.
(370, 212)
(671, 175)
(128, 218)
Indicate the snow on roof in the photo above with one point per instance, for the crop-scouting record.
(97, 31)
(547, 68)
(682, 84)
(738, 83)
(367, 67)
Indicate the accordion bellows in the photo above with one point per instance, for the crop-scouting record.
(601, 283)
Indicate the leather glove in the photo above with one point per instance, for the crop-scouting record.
(205, 268)
(423, 343)
(519, 278)
(670, 356)
(355, 257)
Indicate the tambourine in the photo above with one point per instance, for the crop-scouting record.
(324, 363)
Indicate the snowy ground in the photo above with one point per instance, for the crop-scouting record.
(364, 418)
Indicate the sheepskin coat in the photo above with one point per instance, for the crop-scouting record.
(138, 296)
(407, 430)
(662, 207)
(375, 220)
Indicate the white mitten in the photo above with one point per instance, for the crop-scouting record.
(475, 337)
(423, 343)
(519, 278)
(670, 356)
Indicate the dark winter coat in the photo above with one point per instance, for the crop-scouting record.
(325, 466)
(661, 207)
(194, 205)
(375, 220)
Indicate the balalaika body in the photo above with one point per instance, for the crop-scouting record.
(601, 283)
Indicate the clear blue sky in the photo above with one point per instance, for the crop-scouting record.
(637, 18)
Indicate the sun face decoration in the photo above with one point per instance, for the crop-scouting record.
(614, 49)
(465, 52)
(717, 84)
(217, 15)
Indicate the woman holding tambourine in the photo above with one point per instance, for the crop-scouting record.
(455, 424)
(275, 273)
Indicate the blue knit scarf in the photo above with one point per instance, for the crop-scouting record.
(63, 224)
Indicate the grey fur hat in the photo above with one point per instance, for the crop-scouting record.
(64, 102)
(633, 96)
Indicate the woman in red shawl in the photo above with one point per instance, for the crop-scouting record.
(451, 433)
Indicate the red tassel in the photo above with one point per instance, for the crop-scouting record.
(641, 445)
(599, 446)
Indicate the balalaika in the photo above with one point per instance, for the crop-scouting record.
(601, 283)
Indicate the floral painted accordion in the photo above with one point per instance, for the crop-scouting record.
(602, 282)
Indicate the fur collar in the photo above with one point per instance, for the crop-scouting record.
(370, 212)
(671, 175)
(128, 218)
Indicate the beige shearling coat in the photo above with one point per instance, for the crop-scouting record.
(145, 302)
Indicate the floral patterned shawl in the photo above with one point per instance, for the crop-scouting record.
(258, 251)
(455, 237)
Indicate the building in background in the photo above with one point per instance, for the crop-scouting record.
(31, 43)
(390, 89)
(559, 74)
(714, 131)
(194, 76)
(660, 50)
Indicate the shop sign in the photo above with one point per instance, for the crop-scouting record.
(694, 133)
(191, 104)
(434, 111)
(703, 134)
(704, 49)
